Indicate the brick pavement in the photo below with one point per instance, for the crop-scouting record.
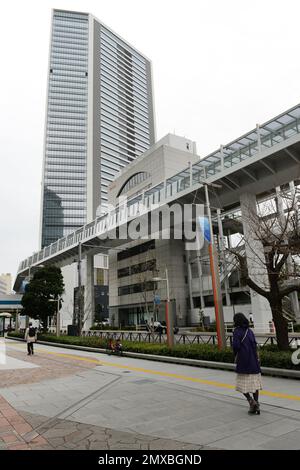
(70, 435)
(15, 431)
(26, 431)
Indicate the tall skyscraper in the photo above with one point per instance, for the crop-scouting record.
(99, 117)
(5, 284)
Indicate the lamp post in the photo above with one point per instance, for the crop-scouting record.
(170, 332)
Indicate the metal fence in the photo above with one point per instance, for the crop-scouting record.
(183, 338)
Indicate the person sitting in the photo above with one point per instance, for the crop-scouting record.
(111, 345)
(118, 347)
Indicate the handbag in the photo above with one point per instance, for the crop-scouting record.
(244, 337)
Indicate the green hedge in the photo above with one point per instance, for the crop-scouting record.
(269, 356)
(92, 341)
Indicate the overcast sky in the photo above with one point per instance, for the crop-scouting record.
(219, 67)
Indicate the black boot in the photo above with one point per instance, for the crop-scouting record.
(252, 409)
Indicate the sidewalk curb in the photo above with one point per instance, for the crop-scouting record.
(286, 373)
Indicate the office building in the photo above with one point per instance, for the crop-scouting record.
(5, 283)
(133, 266)
(99, 118)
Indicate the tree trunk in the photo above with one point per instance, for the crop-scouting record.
(281, 326)
(44, 324)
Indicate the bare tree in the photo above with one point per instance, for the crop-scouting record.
(275, 227)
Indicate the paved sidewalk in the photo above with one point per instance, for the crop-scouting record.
(84, 400)
(25, 431)
(63, 434)
(15, 432)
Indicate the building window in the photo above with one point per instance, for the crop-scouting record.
(137, 268)
(137, 288)
(136, 250)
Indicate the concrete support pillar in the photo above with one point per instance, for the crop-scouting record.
(295, 298)
(261, 309)
(190, 290)
(200, 276)
(289, 263)
(190, 283)
(89, 298)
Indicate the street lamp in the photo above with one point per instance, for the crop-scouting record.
(170, 332)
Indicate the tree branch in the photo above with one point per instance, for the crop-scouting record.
(245, 275)
(280, 264)
(288, 290)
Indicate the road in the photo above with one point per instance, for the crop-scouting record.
(65, 399)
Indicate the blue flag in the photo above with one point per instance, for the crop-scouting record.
(205, 228)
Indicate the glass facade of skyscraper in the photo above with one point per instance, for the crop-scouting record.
(64, 204)
(125, 130)
(99, 118)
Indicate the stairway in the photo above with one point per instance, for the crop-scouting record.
(287, 309)
(232, 262)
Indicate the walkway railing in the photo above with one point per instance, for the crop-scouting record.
(264, 137)
(229, 327)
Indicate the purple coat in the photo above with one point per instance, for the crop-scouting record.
(247, 359)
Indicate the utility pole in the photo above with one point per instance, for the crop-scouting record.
(169, 318)
(215, 276)
(58, 317)
(224, 263)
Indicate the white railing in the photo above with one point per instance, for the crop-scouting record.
(241, 149)
(229, 327)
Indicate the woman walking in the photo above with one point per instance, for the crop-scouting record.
(248, 379)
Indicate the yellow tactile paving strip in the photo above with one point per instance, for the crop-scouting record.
(213, 383)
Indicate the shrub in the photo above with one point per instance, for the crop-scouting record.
(269, 355)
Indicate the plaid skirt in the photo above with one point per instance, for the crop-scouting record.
(248, 383)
